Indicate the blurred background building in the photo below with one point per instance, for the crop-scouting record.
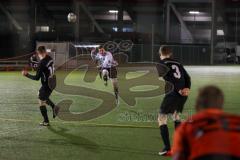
(199, 31)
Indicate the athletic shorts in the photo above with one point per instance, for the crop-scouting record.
(44, 93)
(172, 103)
(112, 72)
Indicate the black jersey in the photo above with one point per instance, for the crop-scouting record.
(175, 74)
(45, 71)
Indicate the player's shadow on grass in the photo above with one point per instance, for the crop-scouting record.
(94, 147)
(76, 140)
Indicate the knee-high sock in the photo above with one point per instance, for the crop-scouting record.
(43, 110)
(116, 92)
(50, 103)
(165, 136)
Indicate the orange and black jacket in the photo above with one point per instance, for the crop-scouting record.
(209, 135)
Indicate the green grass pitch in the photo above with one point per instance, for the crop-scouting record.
(125, 133)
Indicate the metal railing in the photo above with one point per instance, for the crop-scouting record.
(15, 63)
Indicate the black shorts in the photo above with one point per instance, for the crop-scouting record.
(44, 93)
(112, 72)
(172, 103)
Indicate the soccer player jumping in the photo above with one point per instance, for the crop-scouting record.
(45, 72)
(174, 100)
(107, 67)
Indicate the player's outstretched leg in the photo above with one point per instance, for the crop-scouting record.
(164, 133)
(55, 108)
(43, 110)
(115, 88)
(105, 75)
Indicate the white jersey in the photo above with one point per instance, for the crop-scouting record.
(106, 61)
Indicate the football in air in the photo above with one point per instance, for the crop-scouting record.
(72, 18)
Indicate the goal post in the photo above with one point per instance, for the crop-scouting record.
(68, 54)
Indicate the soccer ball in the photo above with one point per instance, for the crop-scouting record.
(72, 18)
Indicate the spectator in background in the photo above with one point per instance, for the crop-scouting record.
(210, 134)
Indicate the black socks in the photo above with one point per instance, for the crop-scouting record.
(116, 92)
(43, 110)
(177, 123)
(105, 77)
(50, 103)
(165, 136)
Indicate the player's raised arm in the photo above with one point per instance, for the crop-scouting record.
(93, 54)
(33, 77)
